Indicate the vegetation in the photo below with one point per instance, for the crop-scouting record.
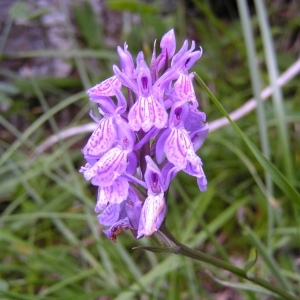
(51, 246)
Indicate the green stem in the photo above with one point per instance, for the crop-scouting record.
(200, 256)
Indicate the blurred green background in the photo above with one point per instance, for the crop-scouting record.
(51, 246)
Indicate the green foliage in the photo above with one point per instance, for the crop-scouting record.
(51, 246)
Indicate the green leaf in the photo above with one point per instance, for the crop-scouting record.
(132, 6)
(251, 263)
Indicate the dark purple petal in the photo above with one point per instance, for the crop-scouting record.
(132, 163)
(168, 172)
(195, 120)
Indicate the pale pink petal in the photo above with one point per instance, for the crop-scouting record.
(184, 89)
(111, 165)
(151, 217)
(102, 138)
(146, 113)
(105, 88)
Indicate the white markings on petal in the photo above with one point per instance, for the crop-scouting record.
(179, 148)
(184, 89)
(106, 87)
(102, 138)
(147, 112)
(149, 221)
(111, 165)
(118, 191)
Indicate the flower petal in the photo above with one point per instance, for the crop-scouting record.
(152, 215)
(110, 166)
(118, 191)
(126, 60)
(102, 138)
(184, 89)
(110, 215)
(179, 148)
(197, 171)
(117, 228)
(147, 112)
(105, 88)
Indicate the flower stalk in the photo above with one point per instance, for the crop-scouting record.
(179, 248)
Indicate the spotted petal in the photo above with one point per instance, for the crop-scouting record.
(184, 89)
(110, 166)
(146, 113)
(105, 88)
(102, 138)
(152, 215)
(179, 148)
(115, 194)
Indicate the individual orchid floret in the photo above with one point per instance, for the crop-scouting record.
(121, 217)
(168, 43)
(154, 208)
(117, 228)
(185, 58)
(168, 47)
(175, 141)
(184, 89)
(116, 193)
(102, 138)
(147, 111)
(108, 168)
(126, 60)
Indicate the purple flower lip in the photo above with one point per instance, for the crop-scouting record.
(149, 130)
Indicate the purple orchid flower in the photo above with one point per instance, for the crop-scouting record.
(145, 138)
